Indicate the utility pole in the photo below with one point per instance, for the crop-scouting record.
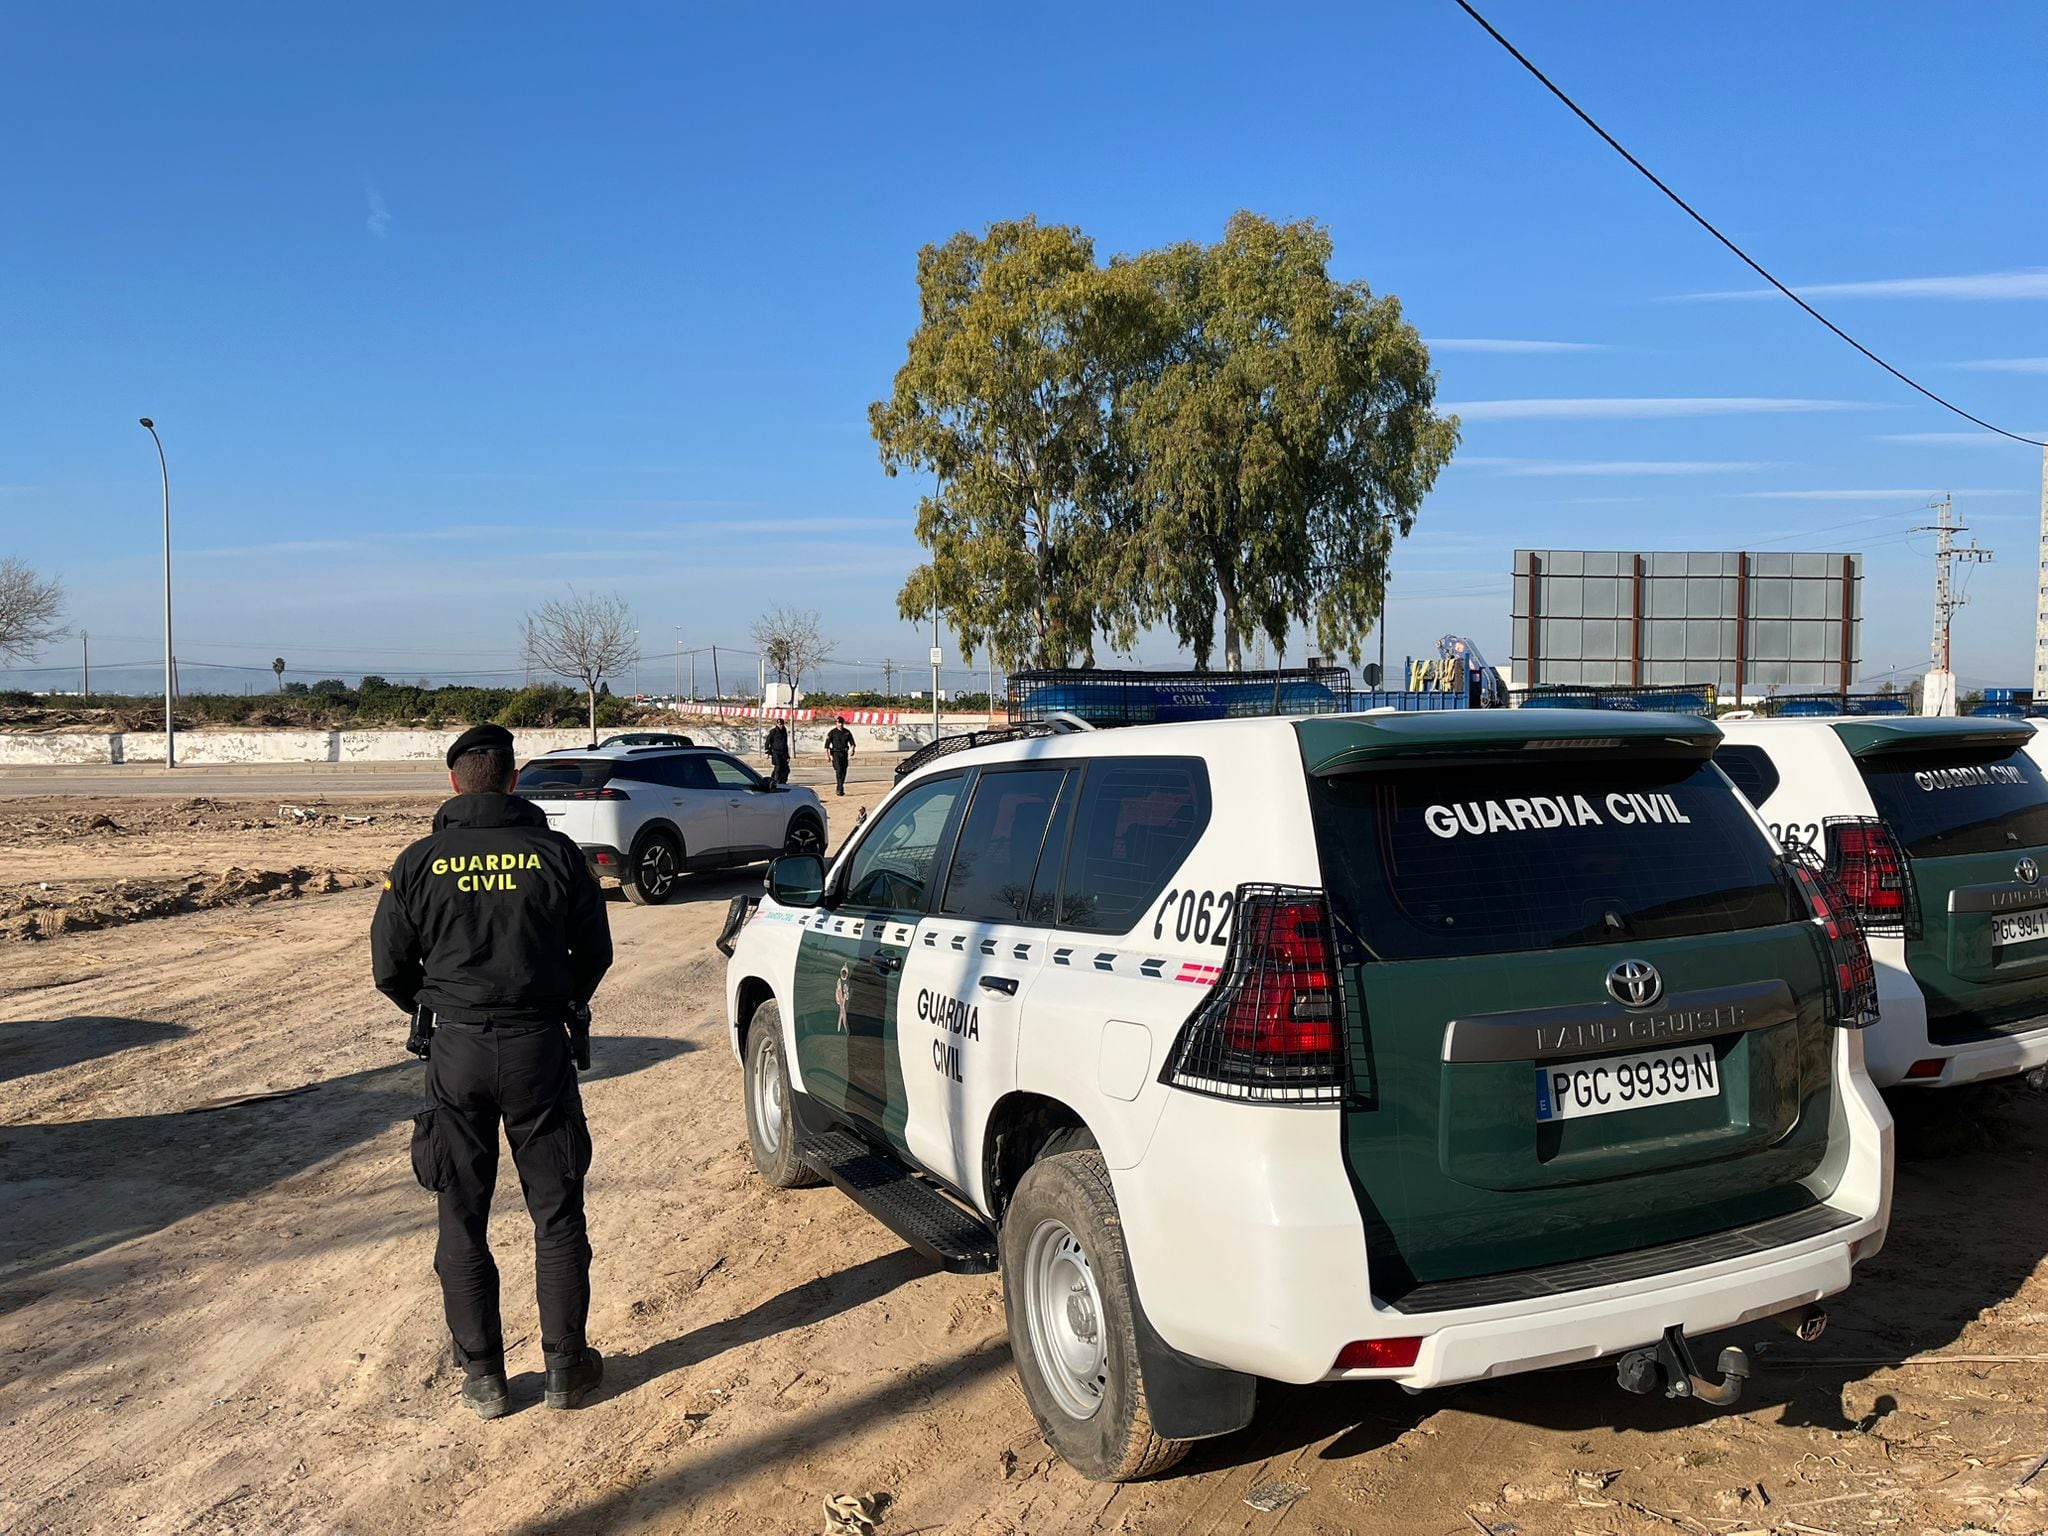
(678, 694)
(85, 656)
(936, 653)
(889, 680)
(717, 688)
(1938, 697)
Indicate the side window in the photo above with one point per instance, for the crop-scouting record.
(650, 770)
(1137, 820)
(727, 774)
(998, 849)
(1750, 770)
(692, 773)
(893, 863)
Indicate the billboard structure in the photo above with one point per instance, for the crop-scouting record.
(1749, 623)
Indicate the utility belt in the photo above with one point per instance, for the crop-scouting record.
(420, 1041)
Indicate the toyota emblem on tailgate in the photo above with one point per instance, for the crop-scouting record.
(2027, 870)
(1635, 984)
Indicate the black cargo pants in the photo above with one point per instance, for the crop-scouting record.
(477, 1076)
(839, 762)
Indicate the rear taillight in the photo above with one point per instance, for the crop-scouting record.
(1870, 867)
(577, 794)
(1379, 1354)
(1853, 996)
(1271, 1031)
(1925, 1070)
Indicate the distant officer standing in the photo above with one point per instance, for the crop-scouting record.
(492, 933)
(839, 747)
(778, 753)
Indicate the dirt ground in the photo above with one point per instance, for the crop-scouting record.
(221, 1317)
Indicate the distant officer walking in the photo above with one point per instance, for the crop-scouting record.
(492, 934)
(778, 753)
(839, 747)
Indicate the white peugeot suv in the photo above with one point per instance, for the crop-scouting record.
(645, 815)
(1420, 1047)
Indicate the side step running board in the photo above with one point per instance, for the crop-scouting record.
(949, 1235)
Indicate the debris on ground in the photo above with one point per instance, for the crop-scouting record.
(1271, 1496)
(851, 1514)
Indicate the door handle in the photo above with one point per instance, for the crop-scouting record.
(1007, 985)
(885, 966)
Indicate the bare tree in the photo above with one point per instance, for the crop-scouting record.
(586, 639)
(31, 609)
(791, 642)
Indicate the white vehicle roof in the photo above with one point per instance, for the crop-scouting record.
(620, 751)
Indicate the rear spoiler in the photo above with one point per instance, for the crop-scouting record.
(1875, 739)
(1351, 743)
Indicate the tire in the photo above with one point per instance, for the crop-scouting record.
(771, 1124)
(804, 836)
(1073, 1332)
(655, 871)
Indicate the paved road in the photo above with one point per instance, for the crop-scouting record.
(327, 780)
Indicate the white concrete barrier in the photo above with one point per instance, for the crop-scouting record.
(48, 749)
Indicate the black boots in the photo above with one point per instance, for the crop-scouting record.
(567, 1388)
(487, 1395)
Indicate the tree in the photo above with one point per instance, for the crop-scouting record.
(587, 638)
(1001, 398)
(277, 666)
(1279, 430)
(31, 609)
(791, 642)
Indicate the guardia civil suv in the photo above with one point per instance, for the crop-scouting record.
(1416, 1047)
(1938, 831)
(646, 815)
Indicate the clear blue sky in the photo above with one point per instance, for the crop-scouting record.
(439, 308)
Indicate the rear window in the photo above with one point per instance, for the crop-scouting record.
(1974, 800)
(558, 773)
(1439, 862)
(1137, 821)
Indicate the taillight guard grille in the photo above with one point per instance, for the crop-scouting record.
(1273, 1029)
(1853, 995)
(1877, 884)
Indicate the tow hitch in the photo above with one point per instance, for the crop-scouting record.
(1669, 1364)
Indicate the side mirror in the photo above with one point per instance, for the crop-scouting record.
(797, 880)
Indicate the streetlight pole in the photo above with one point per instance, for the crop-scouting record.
(170, 686)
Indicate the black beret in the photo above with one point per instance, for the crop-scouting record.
(480, 738)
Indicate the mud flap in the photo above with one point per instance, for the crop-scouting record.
(1187, 1399)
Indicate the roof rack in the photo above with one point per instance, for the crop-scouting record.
(967, 741)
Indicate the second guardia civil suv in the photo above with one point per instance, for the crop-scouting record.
(1938, 831)
(1417, 1047)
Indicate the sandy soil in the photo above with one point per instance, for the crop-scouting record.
(222, 1318)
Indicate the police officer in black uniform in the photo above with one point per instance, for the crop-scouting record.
(778, 753)
(492, 934)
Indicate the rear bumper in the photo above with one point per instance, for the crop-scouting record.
(1979, 1058)
(1900, 1039)
(1248, 1251)
(604, 861)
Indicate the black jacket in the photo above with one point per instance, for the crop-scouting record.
(494, 916)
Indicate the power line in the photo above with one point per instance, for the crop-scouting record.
(1748, 260)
